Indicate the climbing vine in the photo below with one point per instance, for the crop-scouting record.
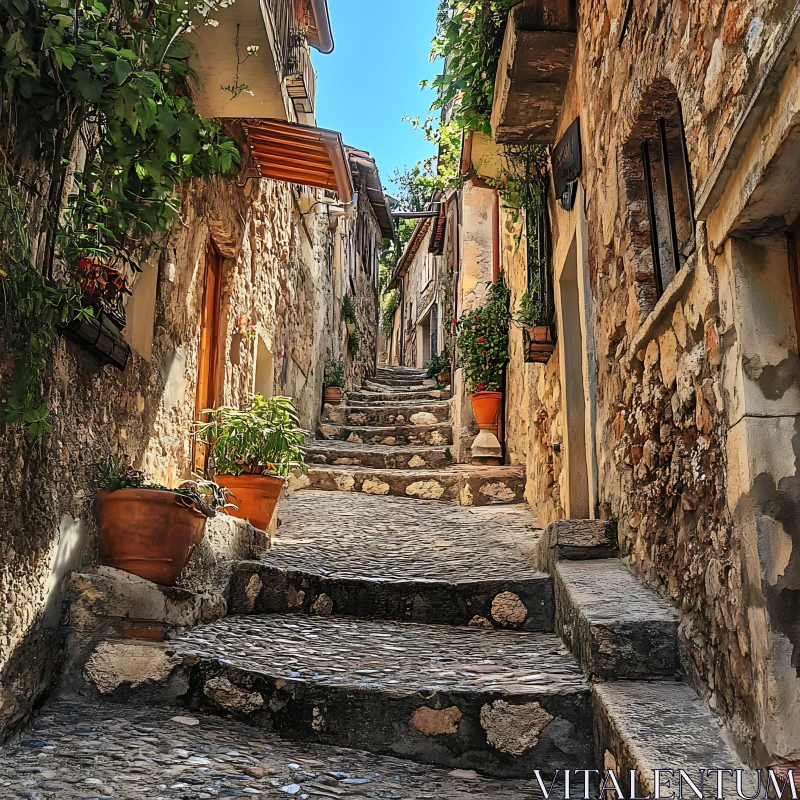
(469, 38)
(98, 136)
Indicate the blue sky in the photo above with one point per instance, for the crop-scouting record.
(371, 80)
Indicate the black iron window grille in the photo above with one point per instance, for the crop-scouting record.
(540, 281)
(670, 202)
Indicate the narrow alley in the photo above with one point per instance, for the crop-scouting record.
(414, 631)
(400, 401)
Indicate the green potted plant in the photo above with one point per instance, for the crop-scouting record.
(538, 338)
(438, 368)
(334, 381)
(483, 349)
(147, 529)
(254, 448)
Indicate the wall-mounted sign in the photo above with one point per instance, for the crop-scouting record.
(567, 165)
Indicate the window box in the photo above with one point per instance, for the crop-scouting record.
(101, 335)
(538, 343)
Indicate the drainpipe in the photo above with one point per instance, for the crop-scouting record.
(456, 272)
(402, 306)
(496, 237)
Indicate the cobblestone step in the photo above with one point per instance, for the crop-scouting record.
(401, 384)
(501, 703)
(372, 397)
(615, 626)
(466, 566)
(437, 434)
(75, 751)
(466, 485)
(645, 726)
(378, 455)
(425, 413)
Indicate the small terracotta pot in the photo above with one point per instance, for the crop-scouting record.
(444, 376)
(486, 407)
(147, 532)
(255, 496)
(333, 395)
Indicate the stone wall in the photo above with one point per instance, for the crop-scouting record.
(276, 291)
(674, 377)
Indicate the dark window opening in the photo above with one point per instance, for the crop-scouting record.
(670, 204)
(540, 282)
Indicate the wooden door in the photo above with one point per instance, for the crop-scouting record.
(208, 351)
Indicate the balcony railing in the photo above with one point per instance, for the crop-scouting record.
(292, 57)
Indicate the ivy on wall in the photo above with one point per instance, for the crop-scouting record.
(98, 136)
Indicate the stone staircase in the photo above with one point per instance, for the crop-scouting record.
(394, 437)
(421, 621)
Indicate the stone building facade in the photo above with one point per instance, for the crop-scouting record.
(272, 251)
(671, 401)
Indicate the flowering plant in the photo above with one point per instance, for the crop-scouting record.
(483, 341)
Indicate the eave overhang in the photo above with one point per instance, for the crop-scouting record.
(320, 34)
(299, 154)
(363, 165)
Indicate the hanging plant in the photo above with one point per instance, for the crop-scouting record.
(109, 87)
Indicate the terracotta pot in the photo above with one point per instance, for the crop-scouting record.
(147, 532)
(444, 376)
(333, 395)
(255, 496)
(486, 407)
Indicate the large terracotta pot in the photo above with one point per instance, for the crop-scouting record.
(255, 496)
(147, 532)
(333, 395)
(486, 407)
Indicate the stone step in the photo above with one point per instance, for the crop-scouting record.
(466, 485)
(500, 702)
(437, 434)
(391, 396)
(644, 726)
(376, 401)
(345, 554)
(614, 625)
(156, 752)
(395, 414)
(398, 384)
(377, 455)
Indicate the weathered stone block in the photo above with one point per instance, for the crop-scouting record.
(576, 539)
(614, 625)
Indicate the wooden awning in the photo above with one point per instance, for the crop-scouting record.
(300, 154)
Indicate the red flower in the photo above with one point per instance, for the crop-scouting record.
(481, 387)
(455, 321)
(481, 340)
(483, 352)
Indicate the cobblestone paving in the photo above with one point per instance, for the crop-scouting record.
(387, 656)
(403, 539)
(74, 752)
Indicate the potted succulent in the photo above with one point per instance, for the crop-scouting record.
(254, 450)
(334, 381)
(147, 529)
(538, 337)
(483, 348)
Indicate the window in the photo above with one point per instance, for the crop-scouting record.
(540, 282)
(670, 205)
